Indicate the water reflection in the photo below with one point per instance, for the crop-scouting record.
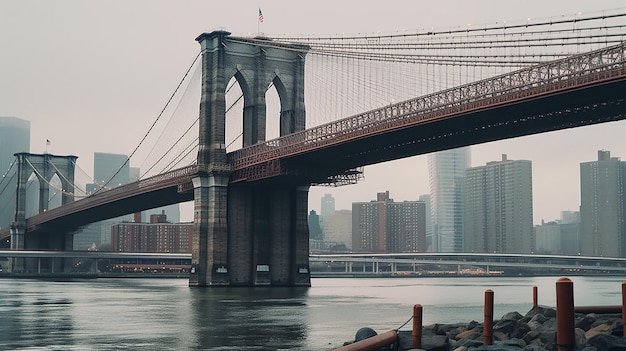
(41, 322)
(249, 318)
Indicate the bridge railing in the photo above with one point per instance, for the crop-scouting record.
(577, 70)
(171, 178)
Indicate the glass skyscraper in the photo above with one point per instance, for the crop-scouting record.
(110, 169)
(446, 170)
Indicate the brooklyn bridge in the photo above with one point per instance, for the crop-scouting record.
(378, 98)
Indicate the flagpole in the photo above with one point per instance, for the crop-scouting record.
(258, 23)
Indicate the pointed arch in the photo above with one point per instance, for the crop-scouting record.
(272, 112)
(235, 102)
(33, 184)
(55, 193)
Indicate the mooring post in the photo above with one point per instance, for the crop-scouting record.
(565, 314)
(417, 327)
(488, 323)
(624, 308)
(535, 296)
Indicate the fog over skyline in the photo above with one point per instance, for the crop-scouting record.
(90, 76)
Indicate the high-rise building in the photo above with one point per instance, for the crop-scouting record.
(338, 228)
(499, 207)
(570, 232)
(385, 226)
(110, 170)
(548, 238)
(14, 138)
(429, 222)
(568, 217)
(570, 238)
(315, 231)
(368, 224)
(327, 208)
(405, 226)
(602, 186)
(446, 170)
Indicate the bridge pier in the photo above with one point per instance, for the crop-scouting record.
(250, 235)
(209, 264)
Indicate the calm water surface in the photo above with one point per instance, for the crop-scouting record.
(165, 314)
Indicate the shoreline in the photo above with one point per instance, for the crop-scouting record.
(534, 331)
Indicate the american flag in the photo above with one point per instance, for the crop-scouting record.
(260, 16)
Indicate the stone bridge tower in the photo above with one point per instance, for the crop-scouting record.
(248, 234)
(44, 167)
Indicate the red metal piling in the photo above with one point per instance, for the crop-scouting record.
(565, 315)
(416, 333)
(373, 343)
(624, 308)
(488, 323)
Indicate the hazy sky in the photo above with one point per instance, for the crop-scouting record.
(92, 75)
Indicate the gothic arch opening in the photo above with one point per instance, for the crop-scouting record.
(32, 195)
(272, 112)
(55, 194)
(234, 115)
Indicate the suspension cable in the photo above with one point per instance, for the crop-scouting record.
(4, 176)
(67, 180)
(41, 177)
(151, 127)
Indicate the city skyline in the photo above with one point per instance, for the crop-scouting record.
(89, 85)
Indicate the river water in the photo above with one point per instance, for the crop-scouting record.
(165, 314)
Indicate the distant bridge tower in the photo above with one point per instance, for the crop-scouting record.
(248, 234)
(44, 167)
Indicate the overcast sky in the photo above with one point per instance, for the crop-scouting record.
(92, 75)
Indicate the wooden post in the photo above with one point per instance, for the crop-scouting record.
(535, 296)
(488, 323)
(417, 327)
(565, 315)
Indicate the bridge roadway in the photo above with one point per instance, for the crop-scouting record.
(160, 190)
(576, 91)
(489, 261)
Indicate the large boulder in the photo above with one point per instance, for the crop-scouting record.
(547, 312)
(512, 316)
(544, 338)
(430, 340)
(513, 328)
(605, 342)
(599, 329)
